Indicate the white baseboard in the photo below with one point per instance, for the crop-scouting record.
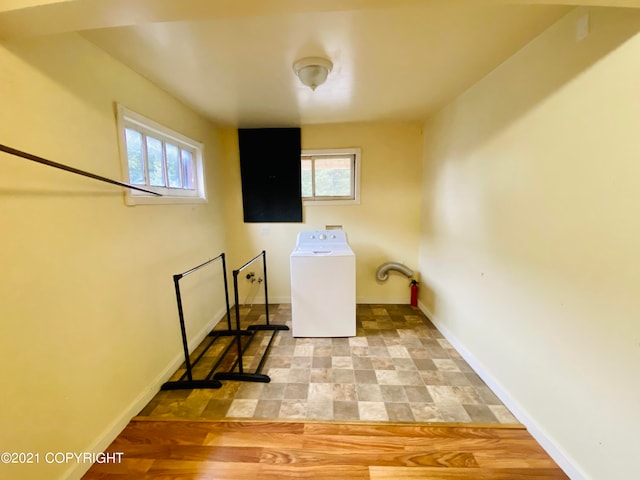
(382, 301)
(359, 300)
(535, 429)
(117, 426)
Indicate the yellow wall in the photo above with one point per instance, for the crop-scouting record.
(89, 322)
(383, 227)
(529, 239)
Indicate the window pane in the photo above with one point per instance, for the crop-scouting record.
(134, 156)
(307, 190)
(187, 169)
(173, 166)
(154, 160)
(333, 177)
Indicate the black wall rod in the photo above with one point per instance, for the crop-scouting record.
(66, 168)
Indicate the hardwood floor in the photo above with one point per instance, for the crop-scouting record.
(187, 449)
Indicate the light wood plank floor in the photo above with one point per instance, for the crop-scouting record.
(187, 449)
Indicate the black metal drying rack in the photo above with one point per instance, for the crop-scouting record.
(186, 381)
(240, 374)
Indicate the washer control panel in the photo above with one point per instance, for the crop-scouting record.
(321, 237)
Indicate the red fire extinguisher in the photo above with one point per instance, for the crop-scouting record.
(414, 293)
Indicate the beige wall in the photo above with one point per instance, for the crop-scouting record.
(89, 323)
(383, 227)
(529, 238)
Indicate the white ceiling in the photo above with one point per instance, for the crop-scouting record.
(394, 60)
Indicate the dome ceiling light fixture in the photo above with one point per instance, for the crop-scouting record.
(312, 71)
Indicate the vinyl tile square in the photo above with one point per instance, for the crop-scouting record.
(362, 363)
(456, 378)
(446, 365)
(273, 391)
(375, 340)
(242, 408)
(375, 411)
(480, 413)
(293, 409)
(366, 376)
(398, 351)
(360, 351)
(320, 392)
(393, 393)
(216, 408)
(299, 375)
(502, 414)
(341, 350)
(404, 364)
(250, 390)
(343, 376)
(344, 392)
(345, 410)
(424, 364)
(301, 362)
(387, 377)
(399, 412)
(368, 392)
(417, 393)
(296, 391)
(454, 413)
(321, 362)
(358, 342)
(320, 375)
(384, 363)
(322, 410)
(303, 350)
(322, 351)
(426, 412)
(267, 409)
(279, 375)
(342, 362)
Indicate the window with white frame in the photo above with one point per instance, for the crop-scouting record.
(159, 159)
(331, 177)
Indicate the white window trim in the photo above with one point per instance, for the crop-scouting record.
(356, 152)
(128, 118)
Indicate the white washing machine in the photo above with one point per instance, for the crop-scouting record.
(323, 285)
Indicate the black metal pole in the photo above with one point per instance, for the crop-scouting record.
(191, 270)
(67, 168)
(266, 294)
(183, 331)
(226, 289)
(238, 336)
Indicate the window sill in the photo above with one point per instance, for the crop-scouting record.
(133, 200)
(312, 203)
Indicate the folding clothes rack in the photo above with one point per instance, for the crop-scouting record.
(212, 379)
(186, 381)
(241, 375)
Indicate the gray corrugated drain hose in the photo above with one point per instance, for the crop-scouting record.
(382, 272)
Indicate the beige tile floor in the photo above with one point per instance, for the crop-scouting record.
(397, 368)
